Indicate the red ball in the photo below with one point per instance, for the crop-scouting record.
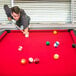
(36, 60)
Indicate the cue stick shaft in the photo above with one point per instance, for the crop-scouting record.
(19, 28)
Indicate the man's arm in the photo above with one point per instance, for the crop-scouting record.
(25, 20)
(8, 12)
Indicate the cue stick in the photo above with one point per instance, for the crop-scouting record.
(19, 28)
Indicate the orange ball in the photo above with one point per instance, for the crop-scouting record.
(23, 61)
(56, 56)
(54, 32)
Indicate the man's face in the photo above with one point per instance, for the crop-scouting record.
(15, 16)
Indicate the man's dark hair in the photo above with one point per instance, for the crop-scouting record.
(15, 9)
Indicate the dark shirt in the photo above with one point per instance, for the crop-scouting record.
(23, 20)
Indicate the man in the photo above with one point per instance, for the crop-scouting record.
(19, 15)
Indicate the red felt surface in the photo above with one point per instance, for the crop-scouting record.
(35, 46)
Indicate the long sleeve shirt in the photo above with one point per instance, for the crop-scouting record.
(23, 20)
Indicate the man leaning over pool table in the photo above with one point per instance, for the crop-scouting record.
(19, 15)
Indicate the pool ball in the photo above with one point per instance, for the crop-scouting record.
(23, 61)
(47, 43)
(73, 45)
(55, 45)
(54, 32)
(36, 60)
(57, 42)
(56, 56)
(30, 60)
(20, 48)
(27, 35)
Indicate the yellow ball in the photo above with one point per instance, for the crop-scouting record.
(54, 32)
(23, 61)
(56, 56)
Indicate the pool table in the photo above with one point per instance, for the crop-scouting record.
(35, 46)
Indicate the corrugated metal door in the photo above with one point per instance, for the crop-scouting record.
(73, 9)
(3, 17)
(47, 12)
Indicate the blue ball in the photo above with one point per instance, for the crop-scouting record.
(55, 45)
(57, 42)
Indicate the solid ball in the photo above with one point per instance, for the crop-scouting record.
(73, 45)
(54, 32)
(56, 56)
(36, 60)
(47, 43)
(23, 61)
(30, 60)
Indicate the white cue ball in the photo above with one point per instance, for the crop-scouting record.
(31, 60)
(27, 35)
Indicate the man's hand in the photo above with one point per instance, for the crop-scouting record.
(24, 32)
(9, 19)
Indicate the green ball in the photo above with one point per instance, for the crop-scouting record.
(47, 43)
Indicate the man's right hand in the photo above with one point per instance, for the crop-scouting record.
(9, 18)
